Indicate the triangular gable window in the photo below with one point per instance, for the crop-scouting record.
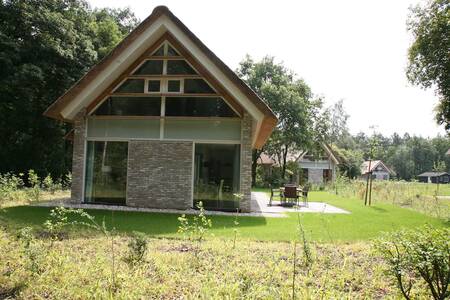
(171, 51)
(165, 78)
(159, 52)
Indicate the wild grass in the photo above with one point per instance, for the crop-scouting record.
(79, 268)
(427, 198)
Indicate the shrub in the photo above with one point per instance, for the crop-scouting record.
(35, 182)
(50, 185)
(418, 255)
(199, 226)
(137, 248)
(10, 186)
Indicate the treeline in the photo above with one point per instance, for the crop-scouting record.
(45, 46)
(407, 155)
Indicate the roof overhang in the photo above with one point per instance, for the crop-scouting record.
(161, 22)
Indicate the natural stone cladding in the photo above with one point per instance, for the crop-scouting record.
(246, 163)
(159, 174)
(79, 131)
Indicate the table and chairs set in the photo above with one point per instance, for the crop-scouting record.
(289, 195)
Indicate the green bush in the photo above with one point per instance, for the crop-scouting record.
(415, 256)
(10, 186)
(137, 248)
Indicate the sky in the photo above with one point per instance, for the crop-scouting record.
(350, 50)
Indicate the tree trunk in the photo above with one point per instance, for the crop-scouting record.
(255, 155)
(283, 167)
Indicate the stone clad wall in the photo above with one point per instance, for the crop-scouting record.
(79, 128)
(159, 174)
(246, 163)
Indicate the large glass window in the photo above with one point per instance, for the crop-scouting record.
(130, 106)
(198, 107)
(216, 176)
(150, 67)
(197, 86)
(106, 172)
(179, 67)
(131, 86)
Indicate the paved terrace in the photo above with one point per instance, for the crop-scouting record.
(259, 207)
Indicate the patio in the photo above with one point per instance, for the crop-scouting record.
(260, 201)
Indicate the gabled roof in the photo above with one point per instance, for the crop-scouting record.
(162, 22)
(327, 150)
(373, 165)
(432, 174)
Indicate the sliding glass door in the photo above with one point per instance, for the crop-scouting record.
(106, 172)
(216, 176)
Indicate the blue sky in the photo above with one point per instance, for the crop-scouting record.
(351, 50)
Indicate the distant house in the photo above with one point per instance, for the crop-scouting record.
(434, 177)
(319, 168)
(448, 152)
(378, 170)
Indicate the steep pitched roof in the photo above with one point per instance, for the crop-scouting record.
(373, 165)
(162, 21)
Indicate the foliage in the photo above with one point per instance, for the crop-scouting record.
(290, 99)
(137, 249)
(78, 269)
(10, 187)
(45, 46)
(35, 182)
(417, 196)
(429, 60)
(414, 255)
(197, 229)
(407, 156)
(50, 185)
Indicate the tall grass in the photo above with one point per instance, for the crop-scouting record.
(423, 197)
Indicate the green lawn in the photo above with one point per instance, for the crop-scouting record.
(362, 224)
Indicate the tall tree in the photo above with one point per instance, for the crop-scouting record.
(291, 100)
(45, 46)
(429, 59)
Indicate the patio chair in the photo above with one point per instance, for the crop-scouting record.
(305, 191)
(290, 192)
(274, 193)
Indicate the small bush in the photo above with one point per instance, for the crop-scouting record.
(137, 248)
(50, 185)
(35, 182)
(10, 186)
(418, 255)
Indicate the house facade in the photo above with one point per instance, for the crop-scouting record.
(162, 122)
(318, 169)
(434, 177)
(378, 170)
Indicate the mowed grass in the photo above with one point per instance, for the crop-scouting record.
(363, 223)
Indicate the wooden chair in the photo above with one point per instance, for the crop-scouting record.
(290, 192)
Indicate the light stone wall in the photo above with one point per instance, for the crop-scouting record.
(79, 128)
(246, 163)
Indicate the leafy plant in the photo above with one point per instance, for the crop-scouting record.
(137, 248)
(418, 255)
(31, 250)
(10, 184)
(50, 185)
(35, 182)
(199, 226)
